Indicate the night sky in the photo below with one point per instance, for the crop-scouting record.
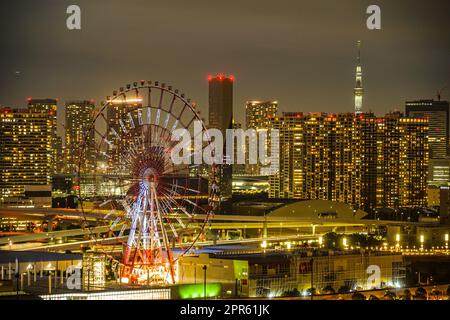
(301, 53)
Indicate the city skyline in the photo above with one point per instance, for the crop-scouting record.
(238, 151)
(291, 63)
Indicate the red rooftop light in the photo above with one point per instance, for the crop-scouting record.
(220, 77)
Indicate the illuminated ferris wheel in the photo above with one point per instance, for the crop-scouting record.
(156, 208)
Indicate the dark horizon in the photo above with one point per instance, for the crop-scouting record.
(300, 53)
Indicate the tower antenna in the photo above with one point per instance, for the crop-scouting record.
(358, 90)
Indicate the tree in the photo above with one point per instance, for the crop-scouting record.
(343, 289)
(311, 291)
(358, 296)
(390, 295)
(407, 295)
(436, 293)
(421, 291)
(421, 294)
(372, 297)
(328, 290)
(331, 240)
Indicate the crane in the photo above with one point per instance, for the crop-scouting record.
(439, 93)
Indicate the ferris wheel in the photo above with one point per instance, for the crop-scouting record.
(126, 172)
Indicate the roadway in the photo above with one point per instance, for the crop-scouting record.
(42, 214)
(217, 222)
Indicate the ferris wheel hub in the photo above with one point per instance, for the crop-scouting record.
(150, 177)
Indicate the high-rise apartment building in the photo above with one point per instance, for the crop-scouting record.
(79, 116)
(259, 115)
(362, 160)
(119, 125)
(50, 107)
(395, 163)
(26, 151)
(221, 117)
(289, 181)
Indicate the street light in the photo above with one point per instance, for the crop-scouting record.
(288, 245)
(345, 243)
(446, 241)
(204, 280)
(264, 244)
(422, 240)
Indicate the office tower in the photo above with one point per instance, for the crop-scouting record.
(221, 117)
(439, 172)
(362, 160)
(26, 151)
(437, 113)
(359, 90)
(79, 116)
(48, 106)
(259, 115)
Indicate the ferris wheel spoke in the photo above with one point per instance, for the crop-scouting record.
(140, 122)
(115, 133)
(149, 115)
(182, 111)
(160, 99)
(181, 207)
(165, 216)
(175, 125)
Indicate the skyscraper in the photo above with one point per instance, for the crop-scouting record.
(259, 116)
(239, 169)
(221, 117)
(359, 90)
(362, 160)
(395, 163)
(289, 181)
(79, 115)
(50, 107)
(118, 122)
(437, 113)
(26, 151)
